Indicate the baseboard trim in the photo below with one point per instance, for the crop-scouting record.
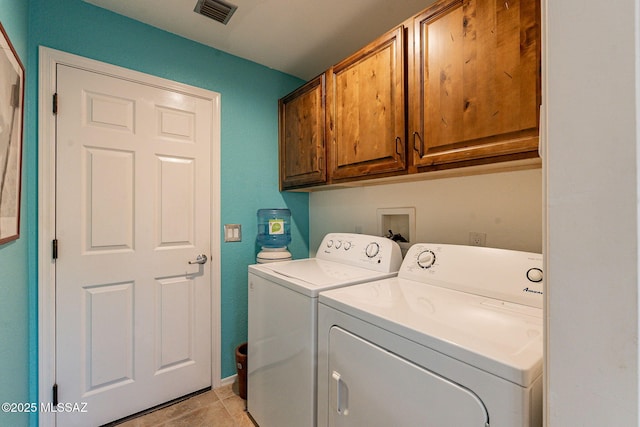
(228, 380)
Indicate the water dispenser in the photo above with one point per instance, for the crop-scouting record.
(274, 235)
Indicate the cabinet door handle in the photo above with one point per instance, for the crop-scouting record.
(398, 139)
(419, 150)
(320, 163)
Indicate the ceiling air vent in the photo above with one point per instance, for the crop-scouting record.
(217, 10)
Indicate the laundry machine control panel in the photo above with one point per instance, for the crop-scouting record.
(360, 250)
(507, 275)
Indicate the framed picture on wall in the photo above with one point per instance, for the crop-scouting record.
(11, 117)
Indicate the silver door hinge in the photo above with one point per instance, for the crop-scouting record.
(54, 248)
(55, 103)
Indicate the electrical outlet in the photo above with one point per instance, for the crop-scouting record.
(477, 239)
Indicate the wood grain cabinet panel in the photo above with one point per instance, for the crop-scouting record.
(302, 136)
(457, 85)
(475, 83)
(366, 106)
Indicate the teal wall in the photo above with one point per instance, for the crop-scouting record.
(249, 163)
(249, 94)
(15, 312)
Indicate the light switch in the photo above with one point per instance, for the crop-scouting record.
(232, 232)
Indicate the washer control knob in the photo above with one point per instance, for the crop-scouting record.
(330, 243)
(338, 244)
(347, 246)
(426, 259)
(372, 249)
(534, 275)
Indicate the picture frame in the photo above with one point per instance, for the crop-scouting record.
(11, 138)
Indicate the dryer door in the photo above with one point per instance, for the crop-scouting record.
(370, 386)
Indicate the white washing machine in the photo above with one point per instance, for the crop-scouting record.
(283, 312)
(455, 339)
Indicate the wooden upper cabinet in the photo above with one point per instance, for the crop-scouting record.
(475, 83)
(457, 85)
(366, 106)
(302, 136)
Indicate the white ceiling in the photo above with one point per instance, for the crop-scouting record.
(299, 37)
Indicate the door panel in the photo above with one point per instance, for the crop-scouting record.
(110, 177)
(176, 339)
(366, 105)
(108, 341)
(370, 386)
(133, 185)
(475, 83)
(301, 135)
(176, 201)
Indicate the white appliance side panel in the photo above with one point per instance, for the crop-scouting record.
(280, 355)
(373, 387)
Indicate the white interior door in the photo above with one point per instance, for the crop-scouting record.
(133, 201)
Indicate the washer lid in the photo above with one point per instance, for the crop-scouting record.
(312, 275)
(499, 337)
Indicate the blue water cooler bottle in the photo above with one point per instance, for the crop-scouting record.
(274, 235)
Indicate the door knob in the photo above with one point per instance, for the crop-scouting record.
(200, 259)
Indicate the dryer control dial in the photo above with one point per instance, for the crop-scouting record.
(372, 249)
(534, 275)
(347, 246)
(426, 259)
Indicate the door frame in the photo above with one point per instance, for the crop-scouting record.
(48, 61)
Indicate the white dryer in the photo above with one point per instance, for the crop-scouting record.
(455, 339)
(281, 354)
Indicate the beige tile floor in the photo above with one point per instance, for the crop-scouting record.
(221, 407)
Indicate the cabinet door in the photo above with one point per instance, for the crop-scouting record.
(302, 135)
(475, 82)
(367, 110)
